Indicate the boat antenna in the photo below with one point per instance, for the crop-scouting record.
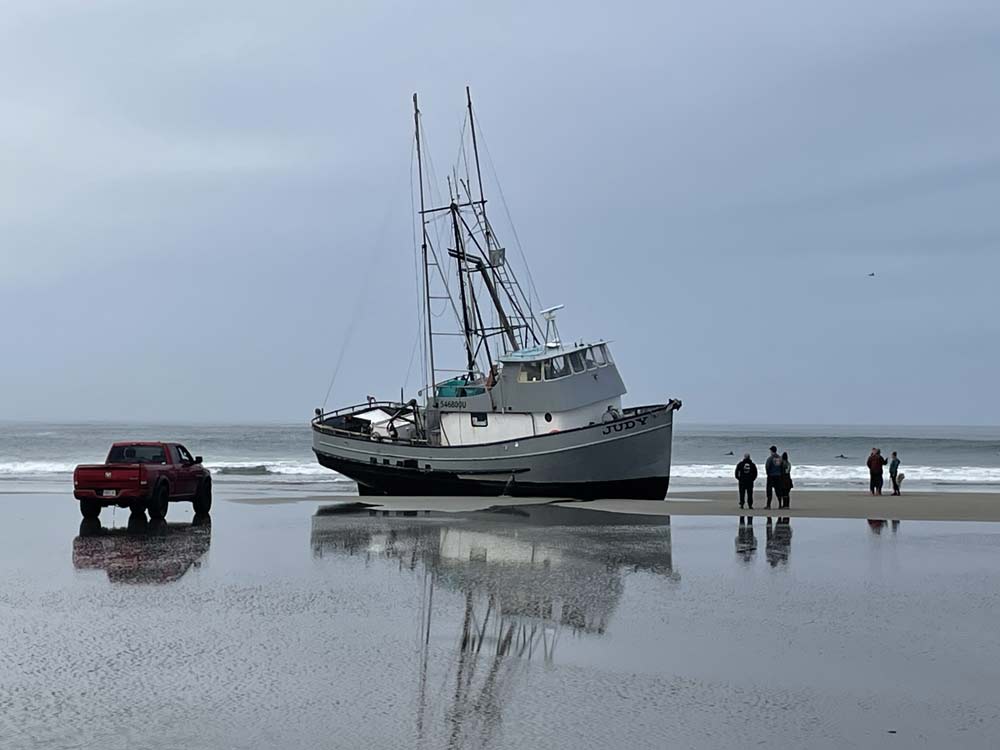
(423, 252)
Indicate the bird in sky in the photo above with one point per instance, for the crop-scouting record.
(872, 273)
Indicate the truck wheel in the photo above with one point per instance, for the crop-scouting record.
(158, 503)
(90, 508)
(202, 502)
(90, 527)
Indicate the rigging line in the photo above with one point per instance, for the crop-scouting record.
(362, 293)
(409, 366)
(460, 156)
(510, 220)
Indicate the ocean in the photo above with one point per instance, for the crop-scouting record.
(277, 459)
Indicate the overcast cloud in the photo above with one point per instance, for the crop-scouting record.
(193, 194)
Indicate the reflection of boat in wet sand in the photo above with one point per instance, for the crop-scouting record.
(526, 575)
(143, 552)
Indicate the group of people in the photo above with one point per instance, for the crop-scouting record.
(777, 469)
(876, 463)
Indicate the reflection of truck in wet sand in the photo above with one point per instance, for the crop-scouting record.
(143, 476)
(143, 552)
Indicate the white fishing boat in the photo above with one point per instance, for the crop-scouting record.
(523, 412)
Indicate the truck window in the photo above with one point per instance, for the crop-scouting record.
(185, 456)
(136, 454)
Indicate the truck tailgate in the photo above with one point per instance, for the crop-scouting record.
(108, 476)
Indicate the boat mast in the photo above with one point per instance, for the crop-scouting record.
(429, 387)
(462, 279)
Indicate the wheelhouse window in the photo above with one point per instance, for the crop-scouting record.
(588, 359)
(480, 419)
(557, 367)
(531, 372)
(600, 356)
(576, 361)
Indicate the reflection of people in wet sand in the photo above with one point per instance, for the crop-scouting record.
(877, 524)
(779, 541)
(144, 551)
(746, 542)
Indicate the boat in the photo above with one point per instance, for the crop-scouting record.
(519, 412)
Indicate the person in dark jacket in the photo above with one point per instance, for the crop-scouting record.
(772, 468)
(746, 475)
(746, 542)
(786, 481)
(876, 461)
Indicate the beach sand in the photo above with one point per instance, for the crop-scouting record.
(916, 506)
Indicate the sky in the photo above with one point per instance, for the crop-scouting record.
(205, 206)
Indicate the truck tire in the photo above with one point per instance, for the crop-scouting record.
(90, 508)
(202, 502)
(159, 502)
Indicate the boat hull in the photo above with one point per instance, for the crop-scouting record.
(629, 458)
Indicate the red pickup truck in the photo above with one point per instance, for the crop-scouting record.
(143, 476)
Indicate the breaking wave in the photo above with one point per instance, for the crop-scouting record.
(268, 468)
(833, 475)
(275, 468)
(34, 468)
(805, 475)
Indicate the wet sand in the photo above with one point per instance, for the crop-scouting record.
(916, 506)
(309, 624)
